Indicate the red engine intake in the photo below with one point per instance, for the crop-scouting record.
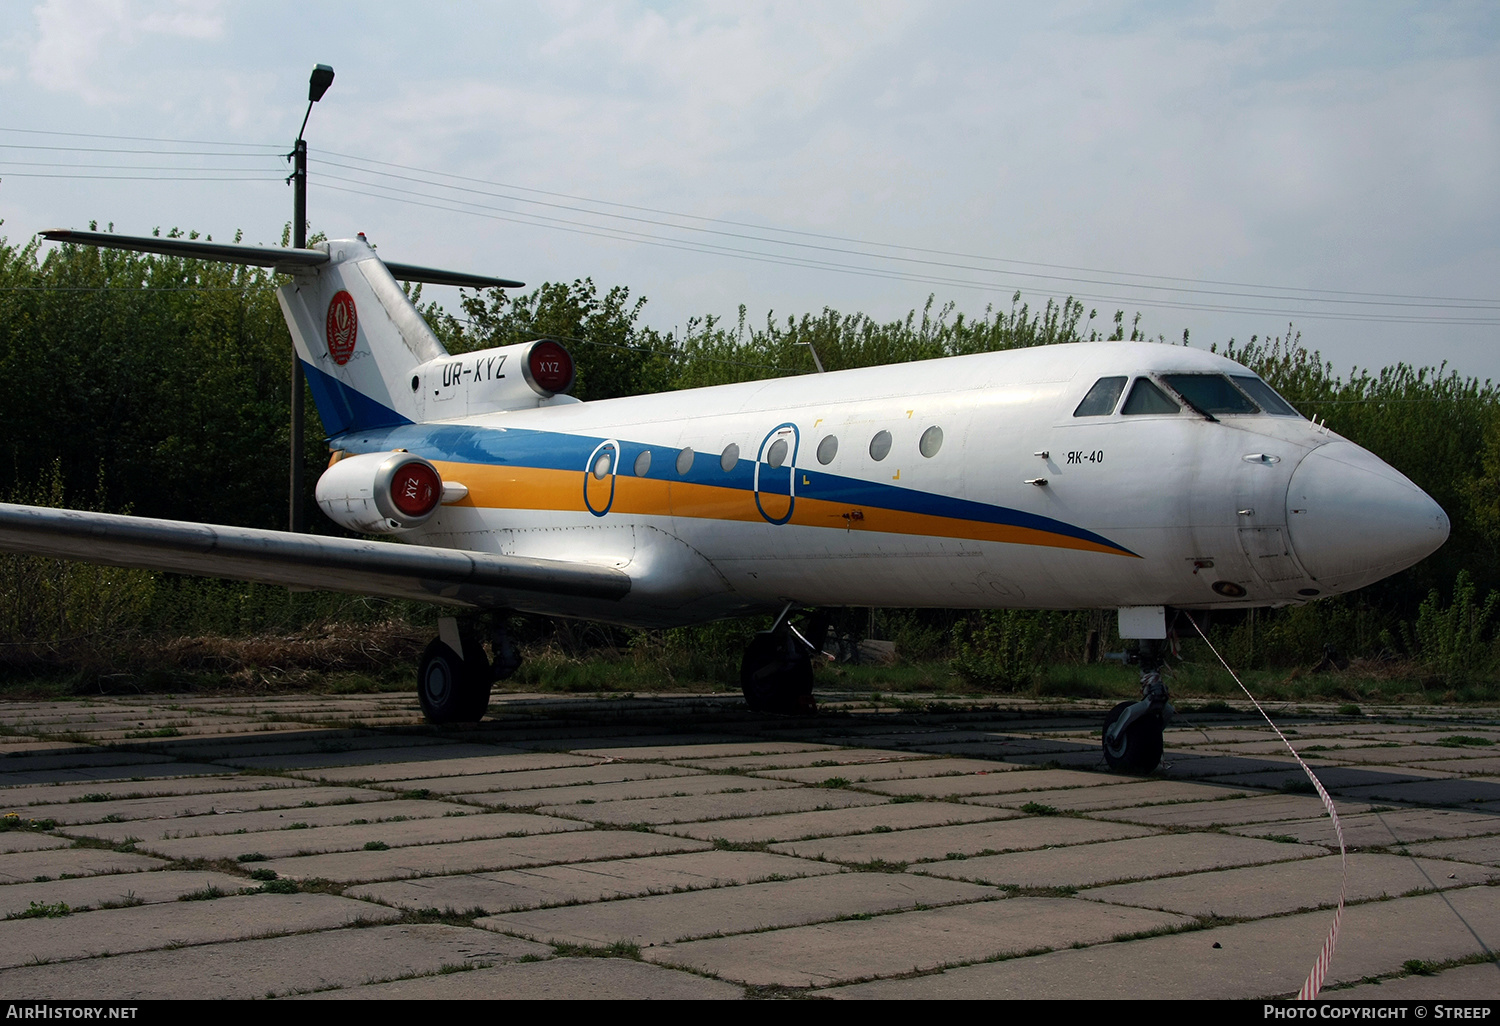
(548, 368)
(416, 489)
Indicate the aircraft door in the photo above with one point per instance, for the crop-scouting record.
(599, 477)
(776, 474)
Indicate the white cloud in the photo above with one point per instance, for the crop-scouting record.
(84, 47)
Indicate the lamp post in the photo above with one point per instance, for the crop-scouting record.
(317, 85)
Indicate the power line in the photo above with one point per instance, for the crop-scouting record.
(886, 245)
(147, 178)
(619, 234)
(142, 138)
(1293, 300)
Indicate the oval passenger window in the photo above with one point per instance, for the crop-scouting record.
(730, 458)
(684, 462)
(776, 455)
(880, 446)
(828, 448)
(643, 463)
(931, 442)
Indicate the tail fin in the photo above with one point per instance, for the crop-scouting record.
(359, 338)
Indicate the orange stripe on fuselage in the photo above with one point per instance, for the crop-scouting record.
(503, 487)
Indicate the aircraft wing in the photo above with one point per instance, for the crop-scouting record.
(391, 570)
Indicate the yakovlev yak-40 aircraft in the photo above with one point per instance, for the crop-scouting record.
(1142, 477)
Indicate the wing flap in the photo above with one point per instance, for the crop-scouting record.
(354, 565)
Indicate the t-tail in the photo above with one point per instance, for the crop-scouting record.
(370, 358)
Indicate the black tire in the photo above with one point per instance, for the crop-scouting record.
(776, 675)
(450, 689)
(1139, 749)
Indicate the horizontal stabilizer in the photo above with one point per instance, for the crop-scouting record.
(308, 561)
(284, 260)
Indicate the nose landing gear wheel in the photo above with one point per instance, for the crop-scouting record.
(1136, 749)
(451, 689)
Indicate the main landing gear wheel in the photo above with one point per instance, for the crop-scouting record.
(1137, 748)
(453, 689)
(776, 674)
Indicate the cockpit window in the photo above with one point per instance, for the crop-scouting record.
(1265, 395)
(1100, 402)
(1210, 393)
(1145, 397)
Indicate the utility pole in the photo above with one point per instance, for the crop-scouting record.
(317, 85)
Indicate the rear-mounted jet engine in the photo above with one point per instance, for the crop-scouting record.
(384, 492)
(492, 380)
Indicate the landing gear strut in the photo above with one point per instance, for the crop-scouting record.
(1133, 730)
(776, 672)
(454, 675)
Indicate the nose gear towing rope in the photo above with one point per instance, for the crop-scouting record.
(1314, 981)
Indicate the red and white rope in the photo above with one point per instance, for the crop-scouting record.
(1314, 981)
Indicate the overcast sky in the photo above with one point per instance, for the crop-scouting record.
(1206, 165)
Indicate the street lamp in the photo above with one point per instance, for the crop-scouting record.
(317, 85)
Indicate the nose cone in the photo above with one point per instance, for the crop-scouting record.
(1354, 519)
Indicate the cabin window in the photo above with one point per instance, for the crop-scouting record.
(776, 455)
(931, 441)
(1145, 397)
(1210, 393)
(684, 461)
(1265, 395)
(1100, 402)
(880, 446)
(828, 448)
(643, 463)
(603, 465)
(730, 458)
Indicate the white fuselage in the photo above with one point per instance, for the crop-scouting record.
(1022, 504)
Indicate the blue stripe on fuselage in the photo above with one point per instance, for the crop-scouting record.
(547, 450)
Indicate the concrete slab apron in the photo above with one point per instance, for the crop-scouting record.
(1483, 850)
(269, 967)
(28, 865)
(904, 766)
(1227, 812)
(314, 840)
(991, 783)
(1135, 858)
(595, 773)
(565, 979)
(210, 825)
(625, 790)
(724, 805)
(477, 856)
(969, 839)
(1268, 958)
(1393, 826)
(834, 822)
(156, 926)
(115, 890)
(18, 798)
(1260, 891)
(203, 804)
(441, 767)
(517, 889)
(809, 956)
(663, 918)
(1132, 794)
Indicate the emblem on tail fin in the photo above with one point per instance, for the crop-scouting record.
(343, 326)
